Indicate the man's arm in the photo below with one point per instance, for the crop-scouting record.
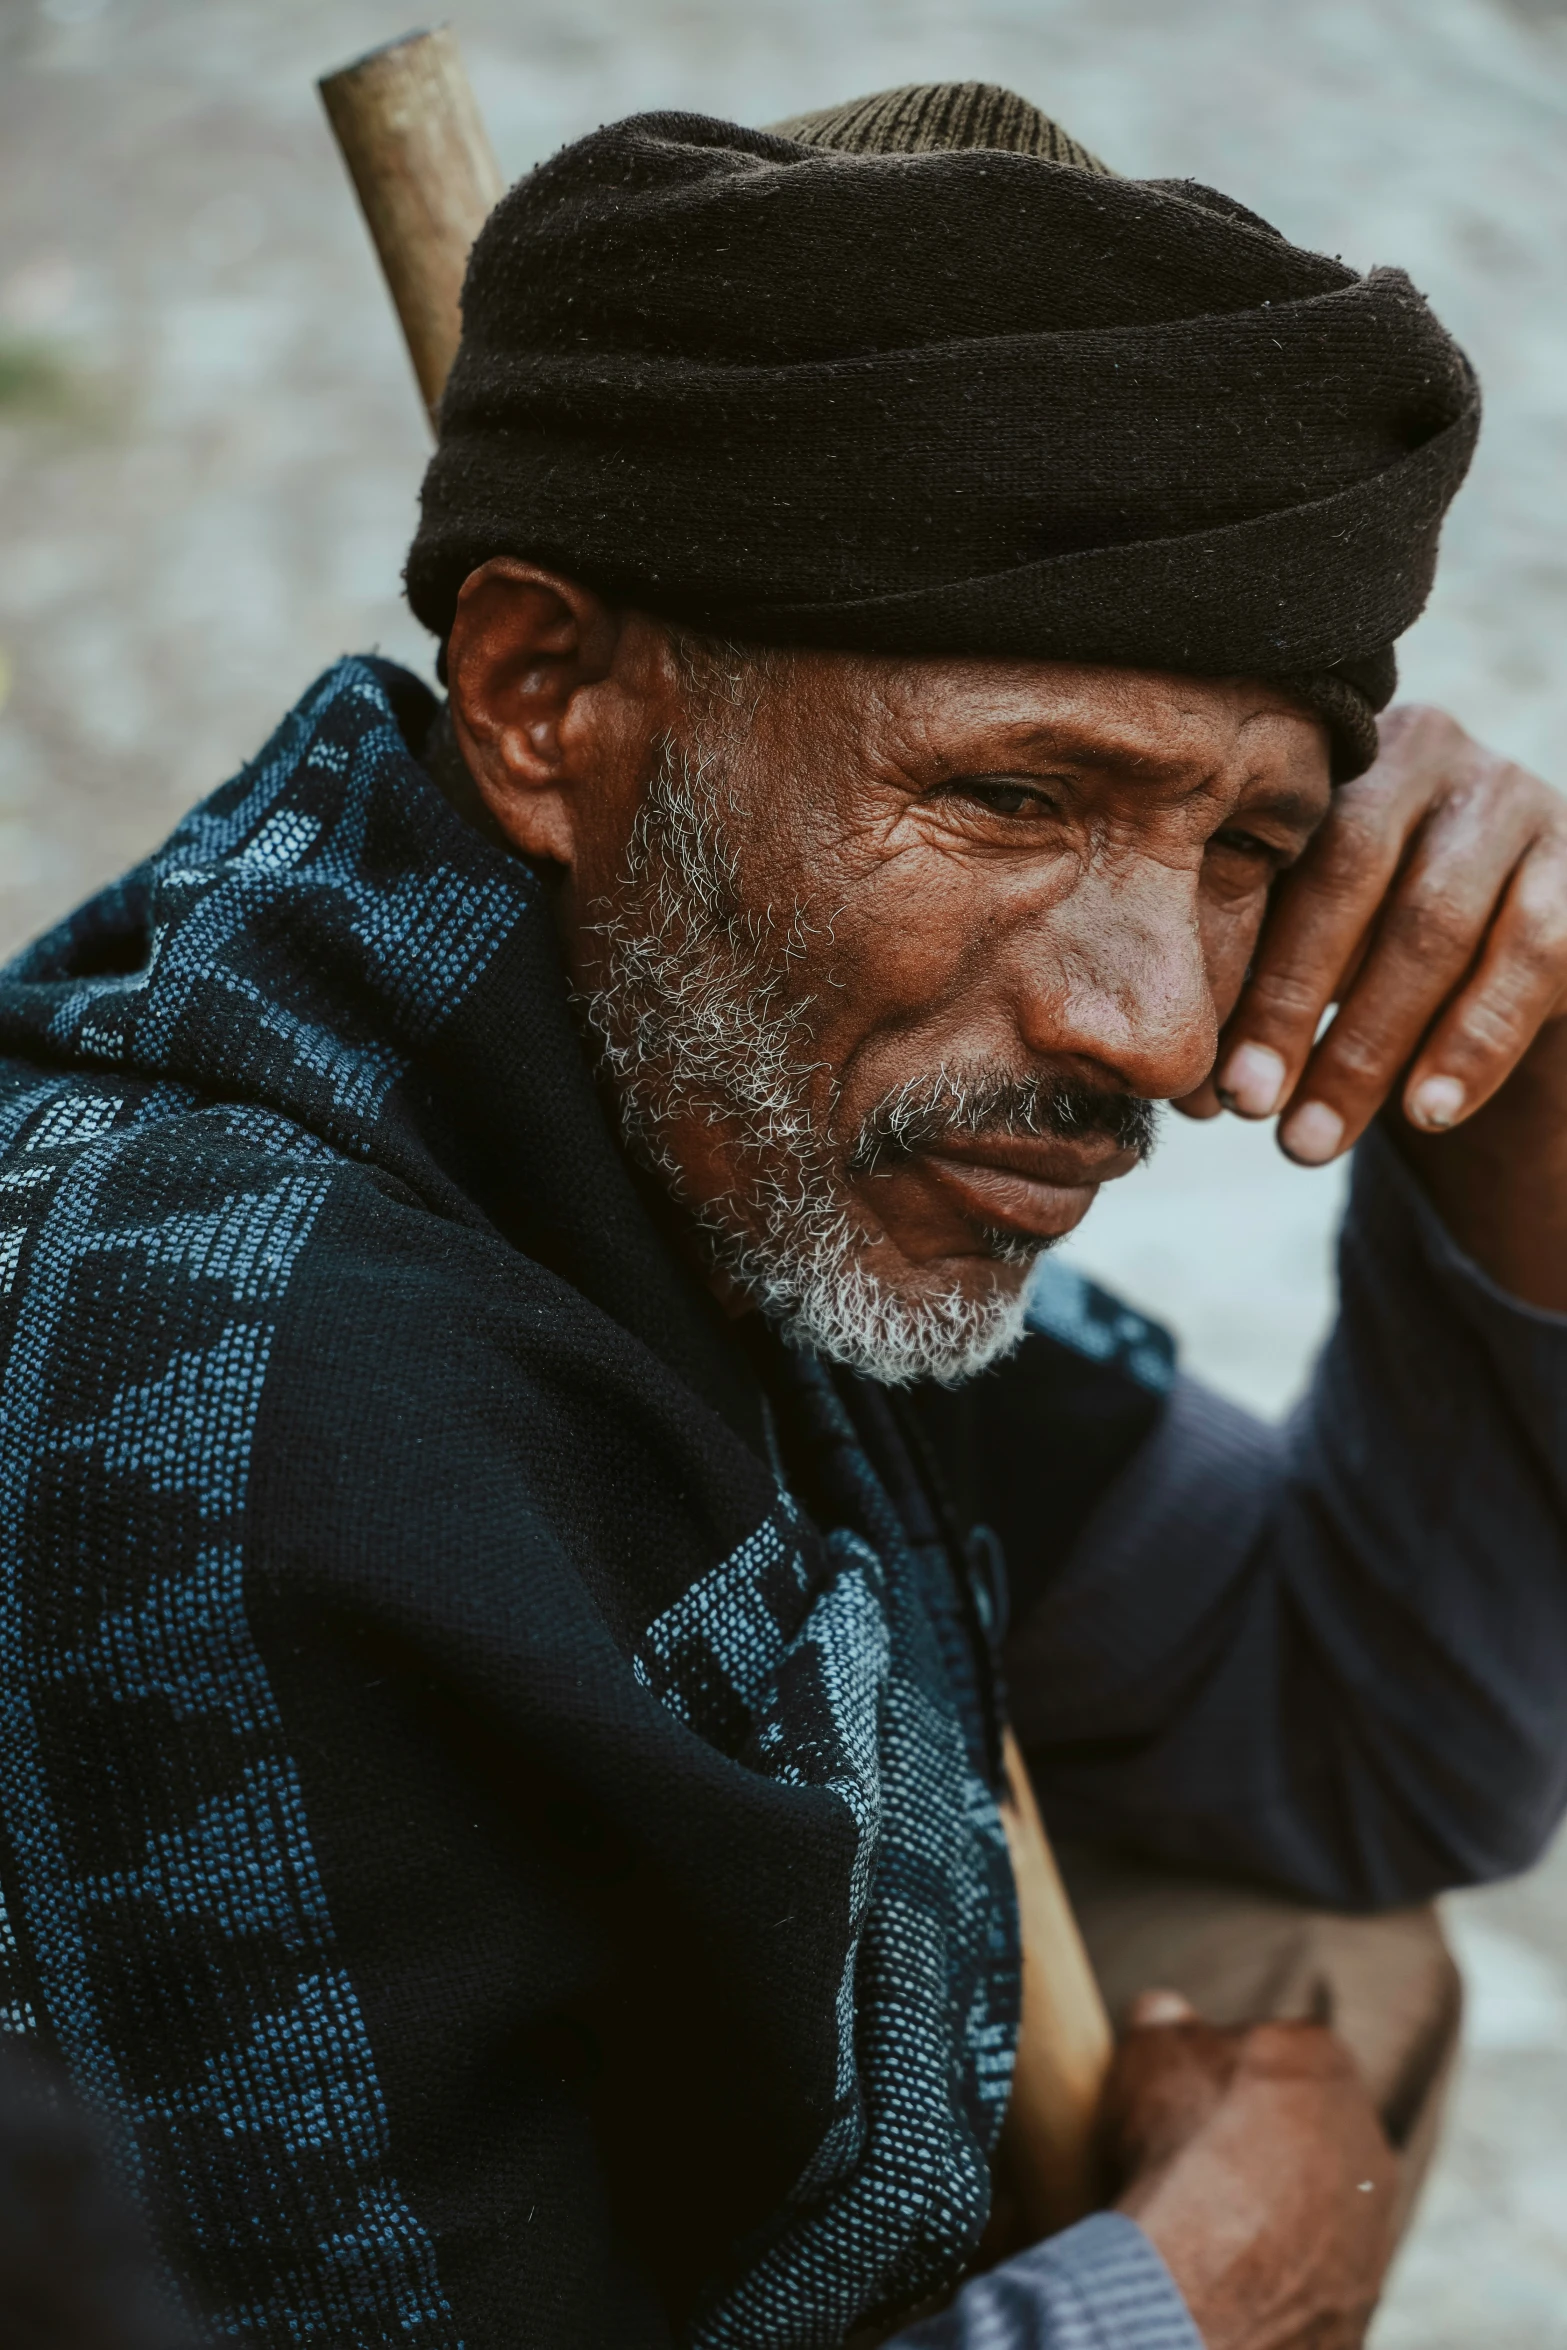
(1328, 1654)
(1499, 1182)
(1254, 2206)
(1331, 1654)
(1099, 2286)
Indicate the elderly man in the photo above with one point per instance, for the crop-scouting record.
(528, 1362)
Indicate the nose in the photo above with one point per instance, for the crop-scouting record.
(1116, 978)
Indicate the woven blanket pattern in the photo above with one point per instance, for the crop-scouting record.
(297, 821)
(159, 1846)
(832, 1683)
(156, 1819)
(181, 1125)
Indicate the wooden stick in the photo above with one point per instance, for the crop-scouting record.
(410, 132)
(409, 127)
(1064, 2041)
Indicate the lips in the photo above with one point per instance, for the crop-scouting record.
(1037, 1187)
(1041, 1158)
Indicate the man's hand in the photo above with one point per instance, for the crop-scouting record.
(1255, 2163)
(1432, 909)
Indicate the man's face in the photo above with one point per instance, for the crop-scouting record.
(887, 959)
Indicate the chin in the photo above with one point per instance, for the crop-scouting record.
(946, 1320)
(999, 1266)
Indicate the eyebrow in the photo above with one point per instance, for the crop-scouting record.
(1304, 810)
(1290, 805)
(1059, 738)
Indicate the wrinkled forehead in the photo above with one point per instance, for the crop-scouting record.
(920, 373)
(1158, 731)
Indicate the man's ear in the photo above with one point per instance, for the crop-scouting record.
(528, 662)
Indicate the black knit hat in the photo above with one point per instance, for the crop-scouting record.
(920, 375)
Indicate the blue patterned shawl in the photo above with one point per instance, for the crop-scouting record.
(507, 1867)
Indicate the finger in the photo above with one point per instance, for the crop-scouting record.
(1316, 926)
(1165, 2082)
(1151, 2009)
(1204, 1103)
(1295, 2050)
(1519, 984)
(1428, 938)
(1326, 911)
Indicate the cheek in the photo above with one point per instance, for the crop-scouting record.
(855, 895)
(1230, 931)
(911, 935)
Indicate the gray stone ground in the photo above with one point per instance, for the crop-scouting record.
(209, 448)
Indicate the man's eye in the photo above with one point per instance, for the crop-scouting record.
(1000, 795)
(1248, 844)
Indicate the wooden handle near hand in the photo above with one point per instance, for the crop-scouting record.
(409, 128)
(1064, 2040)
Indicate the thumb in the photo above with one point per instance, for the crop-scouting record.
(1152, 2008)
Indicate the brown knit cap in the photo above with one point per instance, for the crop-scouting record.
(917, 375)
(921, 117)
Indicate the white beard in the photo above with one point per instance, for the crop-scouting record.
(693, 1018)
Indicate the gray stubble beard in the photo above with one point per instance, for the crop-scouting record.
(693, 1016)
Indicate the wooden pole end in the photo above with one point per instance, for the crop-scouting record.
(410, 132)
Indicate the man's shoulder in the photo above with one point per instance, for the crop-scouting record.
(302, 938)
(98, 1165)
(209, 1315)
(157, 1215)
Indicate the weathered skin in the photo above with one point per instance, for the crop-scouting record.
(1070, 869)
(1434, 902)
(1255, 2162)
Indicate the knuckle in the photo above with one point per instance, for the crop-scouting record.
(1426, 724)
(1417, 736)
(1353, 1058)
(1298, 2048)
(1542, 911)
(1498, 793)
(1284, 996)
(1539, 948)
(1350, 875)
(1428, 758)
(1494, 1025)
(1429, 925)
(1356, 839)
(1512, 782)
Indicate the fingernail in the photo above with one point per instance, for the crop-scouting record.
(1252, 1081)
(1437, 1102)
(1313, 1134)
(1151, 2008)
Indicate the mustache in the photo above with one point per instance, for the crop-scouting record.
(924, 1110)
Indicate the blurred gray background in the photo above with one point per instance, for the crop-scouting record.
(210, 447)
